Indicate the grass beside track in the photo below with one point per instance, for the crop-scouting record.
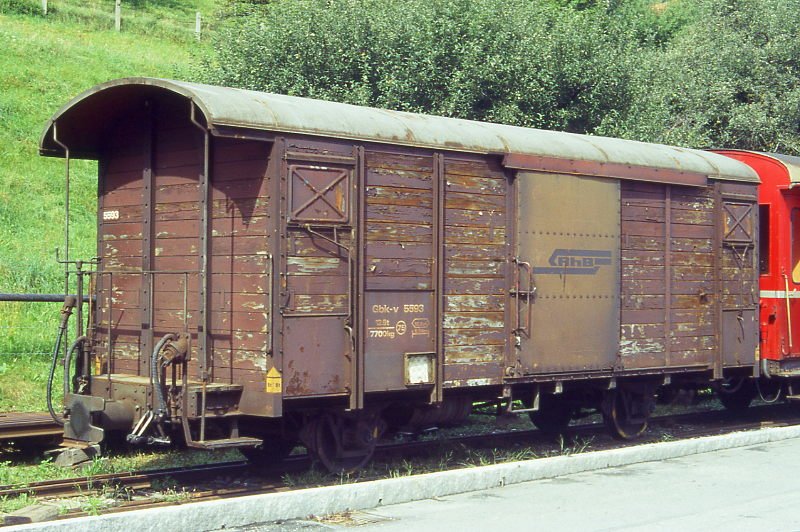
(447, 453)
(44, 62)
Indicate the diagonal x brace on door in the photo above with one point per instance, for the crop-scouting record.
(319, 194)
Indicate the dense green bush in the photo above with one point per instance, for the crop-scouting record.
(512, 61)
(730, 79)
(697, 73)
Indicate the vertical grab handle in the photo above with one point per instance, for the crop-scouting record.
(270, 263)
(523, 292)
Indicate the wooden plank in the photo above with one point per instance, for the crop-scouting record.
(325, 266)
(399, 283)
(474, 303)
(644, 243)
(750, 189)
(238, 227)
(635, 347)
(123, 197)
(473, 354)
(652, 316)
(654, 229)
(178, 193)
(177, 229)
(474, 337)
(226, 150)
(317, 285)
(468, 375)
(409, 197)
(644, 212)
(122, 231)
(691, 216)
(240, 245)
(473, 320)
(336, 148)
(237, 170)
(302, 244)
(642, 258)
(398, 267)
(474, 202)
(223, 321)
(473, 184)
(463, 268)
(481, 218)
(635, 301)
(240, 189)
(313, 303)
(401, 159)
(237, 264)
(122, 163)
(121, 248)
(474, 285)
(398, 213)
(171, 247)
(474, 235)
(480, 252)
(399, 177)
(397, 232)
(634, 286)
(391, 250)
(480, 166)
(124, 180)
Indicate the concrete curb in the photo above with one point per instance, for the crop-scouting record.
(300, 504)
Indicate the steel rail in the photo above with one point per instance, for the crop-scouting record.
(709, 423)
(22, 425)
(132, 479)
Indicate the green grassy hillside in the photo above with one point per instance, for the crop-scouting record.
(44, 62)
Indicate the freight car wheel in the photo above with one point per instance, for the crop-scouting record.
(553, 416)
(625, 413)
(737, 394)
(343, 444)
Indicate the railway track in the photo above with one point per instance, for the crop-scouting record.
(679, 426)
(26, 425)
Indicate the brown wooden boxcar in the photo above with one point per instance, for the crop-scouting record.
(274, 267)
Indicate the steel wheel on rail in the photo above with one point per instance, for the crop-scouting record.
(554, 414)
(625, 413)
(736, 394)
(343, 444)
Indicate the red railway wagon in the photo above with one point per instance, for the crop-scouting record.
(779, 263)
(273, 268)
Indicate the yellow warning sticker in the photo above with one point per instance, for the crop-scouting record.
(274, 383)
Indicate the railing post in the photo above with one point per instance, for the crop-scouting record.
(117, 14)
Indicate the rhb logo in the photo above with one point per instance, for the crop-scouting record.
(575, 262)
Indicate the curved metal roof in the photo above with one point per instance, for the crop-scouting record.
(239, 108)
(792, 165)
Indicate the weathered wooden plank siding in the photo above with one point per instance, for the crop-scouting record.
(657, 289)
(120, 243)
(399, 220)
(475, 270)
(239, 315)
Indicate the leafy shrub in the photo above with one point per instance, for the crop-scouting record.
(511, 61)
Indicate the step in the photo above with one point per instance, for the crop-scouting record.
(228, 443)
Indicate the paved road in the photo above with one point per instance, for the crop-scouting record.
(751, 488)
